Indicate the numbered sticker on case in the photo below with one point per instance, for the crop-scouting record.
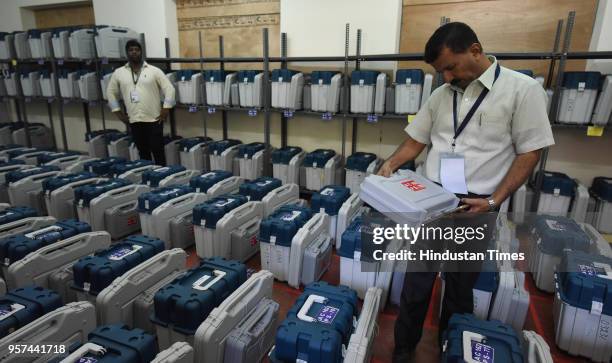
(326, 116)
(327, 314)
(288, 114)
(193, 108)
(372, 118)
(211, 110)
(253, 112)
(104, 60)
(60, 62)
(28, 99)
(482, 352)
(41, 61)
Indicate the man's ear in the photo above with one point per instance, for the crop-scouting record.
(476, 50)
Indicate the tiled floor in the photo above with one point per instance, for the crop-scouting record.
(539, 317)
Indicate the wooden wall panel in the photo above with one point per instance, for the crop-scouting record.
(502, 26)
(240, 22)
(82, 14)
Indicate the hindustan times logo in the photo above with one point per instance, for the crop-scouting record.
(412, 234)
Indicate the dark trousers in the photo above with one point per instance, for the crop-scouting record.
(149, 139)
(418, 286)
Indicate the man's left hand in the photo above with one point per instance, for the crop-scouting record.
(163, 115)
(477, 205)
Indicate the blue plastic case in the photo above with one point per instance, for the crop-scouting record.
(330, 198)
(209, 212)
(12, 214)
(93, 273)
(16, 247)
(85, 193)
(152, 177)
(203, 182)
(258, 188)
(283, 224)
(21, 306)
(186, 302)
(148, 201)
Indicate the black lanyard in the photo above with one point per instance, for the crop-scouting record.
(137, 74)
(472, 110)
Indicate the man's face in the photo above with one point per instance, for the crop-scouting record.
(134, 54)
(459, 69)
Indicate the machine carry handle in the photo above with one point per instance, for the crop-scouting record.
(262, 315)
(245, 208)
(198, 284)
(128, 207)
(121, 190)
(62, 245)
(42, 176)
(311, 300)
(227, 181)
(87, 348)
(319, 218)
(252, 228)
(182, 199)
(6, 229)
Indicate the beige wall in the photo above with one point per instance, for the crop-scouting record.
(70, 15)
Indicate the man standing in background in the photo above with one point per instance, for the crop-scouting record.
(139, 84)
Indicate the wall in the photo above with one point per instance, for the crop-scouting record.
(602, 37)
(325, 23)
(19, 14)
(528, 26)
(155, 18)
(70, 15)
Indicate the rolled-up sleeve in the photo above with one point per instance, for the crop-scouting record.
(112, 93)
(420, 127)
(531, 128)
(167, 89)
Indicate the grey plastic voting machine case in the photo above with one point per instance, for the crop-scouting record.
(211, 336)
(36, 267)
(25, 225)
(115, 303)
(67, 325)
(179, 352)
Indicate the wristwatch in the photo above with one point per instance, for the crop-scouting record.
(492, 204)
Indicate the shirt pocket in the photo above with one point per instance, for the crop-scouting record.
(493, 131)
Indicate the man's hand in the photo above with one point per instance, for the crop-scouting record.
(477, 205)
(386, 169)
(122, 117)
(163, 115)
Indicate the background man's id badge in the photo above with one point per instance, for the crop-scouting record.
(134, 97)
(452, 173)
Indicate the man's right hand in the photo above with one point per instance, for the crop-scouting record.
(122, 117)
(386, 169)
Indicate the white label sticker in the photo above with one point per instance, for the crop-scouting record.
(555, 225)
(327, 192)
(290, 216)
(43, 231)
(224, 203)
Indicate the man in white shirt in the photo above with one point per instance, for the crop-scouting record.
(484, 129)
(139, 84)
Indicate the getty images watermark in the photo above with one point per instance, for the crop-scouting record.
(477, 237)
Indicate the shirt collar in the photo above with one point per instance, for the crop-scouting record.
(486, 78)
(144, 64)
